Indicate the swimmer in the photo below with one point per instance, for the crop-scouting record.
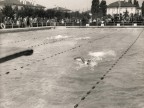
(84, 61)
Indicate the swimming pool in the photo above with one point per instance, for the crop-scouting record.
(107, 74)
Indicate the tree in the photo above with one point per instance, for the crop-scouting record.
(103, 7)
(41, 13)
(67, 15)
(95, 7)
(16, 9)
(50, 13)
(135, 2)
(8, 11)
(130, 1)
(59, 15)
(85, 17)
(26, 11)
(21, 13)
(1, 17)
(143, 8)
(76, 15)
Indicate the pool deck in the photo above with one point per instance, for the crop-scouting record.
(51, 27)
(105, 27)
(24, 29)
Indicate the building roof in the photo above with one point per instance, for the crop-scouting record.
(61, 9)
(40, 6)
(121, 4)
(17, 2)
(10, 2)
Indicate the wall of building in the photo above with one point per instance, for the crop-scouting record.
(22, 2)
(139, 11)
(32, 2)
(1, 7)
(131, 10)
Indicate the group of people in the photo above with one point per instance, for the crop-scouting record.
(23, 21)
(35, 21)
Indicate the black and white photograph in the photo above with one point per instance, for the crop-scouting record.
(71, 53)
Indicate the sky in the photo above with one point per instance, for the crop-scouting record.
(74, 5)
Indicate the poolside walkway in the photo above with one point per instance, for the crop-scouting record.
(24, 29)
(50, 27)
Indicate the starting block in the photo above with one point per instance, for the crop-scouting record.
(135, 24)
(118, 24)
(102, 25)
(87, 25)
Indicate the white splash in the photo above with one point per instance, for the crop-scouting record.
(82, 38)
(57, 37)
(60, 37)
(95, 58)
(86, 63)
(101, 55)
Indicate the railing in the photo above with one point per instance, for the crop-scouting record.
(13, 25)
(138, 23)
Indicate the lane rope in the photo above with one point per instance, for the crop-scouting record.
(107, 72)
(22, 67)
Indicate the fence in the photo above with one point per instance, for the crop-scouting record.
(13, 25)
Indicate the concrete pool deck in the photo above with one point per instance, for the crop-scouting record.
(105, 27)
(52, 78)
(24, 29)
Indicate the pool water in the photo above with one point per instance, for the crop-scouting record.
(52, 78)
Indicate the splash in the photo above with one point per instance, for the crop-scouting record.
(101, 55)
(82, 38)
(94, 59)
(86, 63)
(60, 37)
(57, 37)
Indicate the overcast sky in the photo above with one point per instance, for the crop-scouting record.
(72, 4)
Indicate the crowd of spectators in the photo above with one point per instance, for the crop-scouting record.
(31, 21)
(25, 21)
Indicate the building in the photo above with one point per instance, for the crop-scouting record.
(20, 4)
(120, 7)
(61, 9)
